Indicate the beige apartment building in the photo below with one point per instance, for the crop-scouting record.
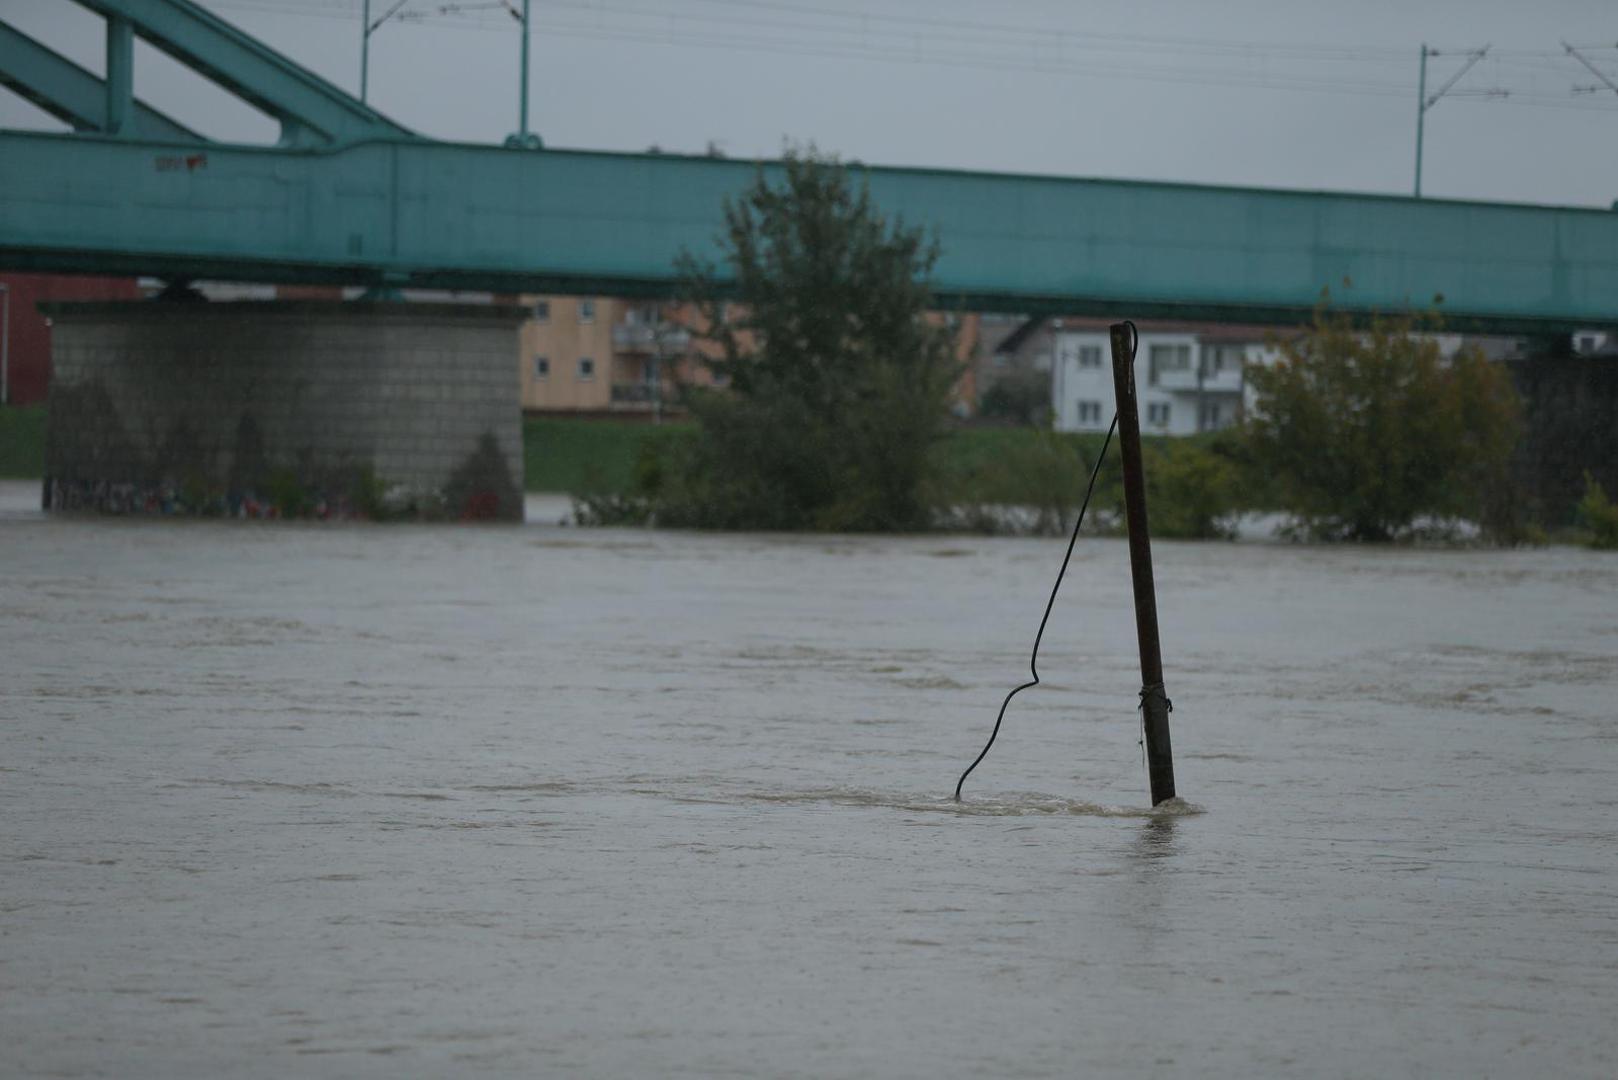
(608, 356)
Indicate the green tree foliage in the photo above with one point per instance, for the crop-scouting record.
(1364, 430)
(839, 383)
(1599, 514)
(1193, 492)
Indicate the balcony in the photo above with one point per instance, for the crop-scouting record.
(632, 393)
(645, 397)
(1227, 380)
(651, 339)
(1176, 379)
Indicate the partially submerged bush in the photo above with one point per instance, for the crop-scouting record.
(1192, 493)
(1033, 484)
(1364, 431)
(1599, 514)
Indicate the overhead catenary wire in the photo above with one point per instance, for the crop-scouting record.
(887, 37)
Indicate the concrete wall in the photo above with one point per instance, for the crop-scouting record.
(285, 409)
(28, 336)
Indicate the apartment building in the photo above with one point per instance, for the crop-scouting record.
(615, 357)
(607, 355)
(1189, 377)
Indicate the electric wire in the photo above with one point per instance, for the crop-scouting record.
(932, 47)
(1033, 659)
(939, 42)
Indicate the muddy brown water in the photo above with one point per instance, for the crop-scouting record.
(356, 801)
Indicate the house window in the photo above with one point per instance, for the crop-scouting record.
(1587, 343)
(1089, 356)
(1210, 417)
(542, 368)
(1089, 412)
(1158, 415)
(542, 311)
(1219, 358)
(587, 369)
(587, 311)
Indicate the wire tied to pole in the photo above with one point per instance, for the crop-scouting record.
(1154, 690)
(1146, 692)
(1033, 659)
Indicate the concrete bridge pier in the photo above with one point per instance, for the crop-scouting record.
(285, 409)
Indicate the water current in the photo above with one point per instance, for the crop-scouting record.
(289, 800)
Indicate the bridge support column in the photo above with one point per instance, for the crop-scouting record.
(120, 75)
(286, 409)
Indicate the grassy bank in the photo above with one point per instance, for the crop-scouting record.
(22, 442)
(597, 456)
(600, 456)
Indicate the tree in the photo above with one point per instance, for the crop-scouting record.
(1023, 397)
(1363, 431)
(838, 383)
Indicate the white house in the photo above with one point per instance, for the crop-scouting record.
(1188, 376)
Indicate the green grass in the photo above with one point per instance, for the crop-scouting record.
(973, 459)
(576, 456)
(22, 442)
(599, 455)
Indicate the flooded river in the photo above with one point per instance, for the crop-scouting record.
(359, 801)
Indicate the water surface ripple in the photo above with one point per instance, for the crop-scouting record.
(353, 801)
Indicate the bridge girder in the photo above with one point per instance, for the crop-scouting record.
(436, 215)
(73, 95)
(312, 112)
(352, 198)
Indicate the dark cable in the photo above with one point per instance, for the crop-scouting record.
(1033, 659)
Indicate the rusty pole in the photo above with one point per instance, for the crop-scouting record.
(1154, 702)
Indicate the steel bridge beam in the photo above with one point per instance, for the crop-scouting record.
(436, 215)
(312, 111)
(73, 95)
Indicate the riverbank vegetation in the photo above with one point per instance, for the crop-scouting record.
(22, 442)
(837, 381)
(995, 479)
(1363, 431)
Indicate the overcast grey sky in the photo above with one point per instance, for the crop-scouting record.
(1287, 94)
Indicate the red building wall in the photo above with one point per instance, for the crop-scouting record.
(29, 338)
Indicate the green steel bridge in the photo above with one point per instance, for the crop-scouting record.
(347, 196)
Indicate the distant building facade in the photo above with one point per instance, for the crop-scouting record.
(608, 355)
(1011, 345)
(1189, 377)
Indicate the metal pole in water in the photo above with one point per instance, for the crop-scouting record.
(1154, 702)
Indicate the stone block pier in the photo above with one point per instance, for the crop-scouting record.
(286, 409)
